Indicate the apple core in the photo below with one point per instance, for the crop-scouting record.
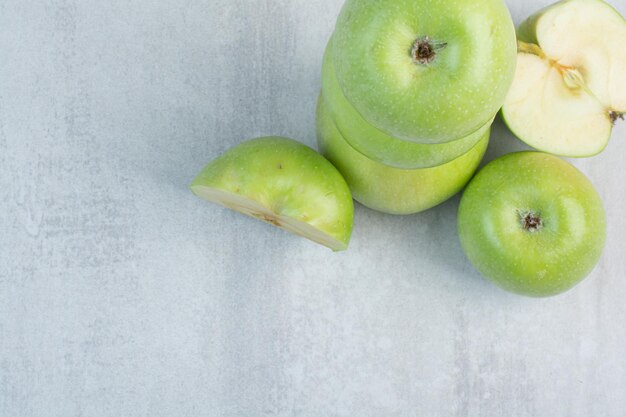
(572, 76)
(569, 88)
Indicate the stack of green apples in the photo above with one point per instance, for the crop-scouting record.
(410, 89)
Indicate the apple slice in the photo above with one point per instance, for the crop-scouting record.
(570, 83)
(392, 190)
(284, 183)
(376, 144)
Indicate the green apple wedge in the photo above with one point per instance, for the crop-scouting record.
(532, 224)
(379, 146)
(284, 183)
(392, 190)
(570, 84)
(426, 71)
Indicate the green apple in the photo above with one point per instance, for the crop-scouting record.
(532, 223)
(570, 83)
(285, 183)
(427, 71)
(392, 190)
(378, 145)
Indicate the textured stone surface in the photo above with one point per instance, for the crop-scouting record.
(123, 294)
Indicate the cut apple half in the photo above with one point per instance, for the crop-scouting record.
(570, 83)
(284, 183)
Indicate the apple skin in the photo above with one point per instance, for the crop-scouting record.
(392, 190)
(285, 183)
(537, 262)
(459, 91)
(377, 145)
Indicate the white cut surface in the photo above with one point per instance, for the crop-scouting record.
(591, 36)
(542, 111)
(259, 211)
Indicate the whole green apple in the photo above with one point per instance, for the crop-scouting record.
(376, 144)
(427, 71)
(392, 190)
(284, 183)
(532, 223)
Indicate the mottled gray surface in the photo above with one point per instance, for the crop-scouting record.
(121, 294)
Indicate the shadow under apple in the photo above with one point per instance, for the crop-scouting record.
(432, 235)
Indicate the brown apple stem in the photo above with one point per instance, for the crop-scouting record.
(531, 221)
(615, 116)
(425, 50)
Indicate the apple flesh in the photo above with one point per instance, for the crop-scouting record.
(392, 190)
(570, 84)
(376, 144)
(532, 224)
(422, 70)
(284, 183)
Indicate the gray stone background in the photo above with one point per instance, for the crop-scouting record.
(122, 294)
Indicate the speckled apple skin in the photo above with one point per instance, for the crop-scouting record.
(376, 144)
(441, 101)
(392, 190)
(538, 263)
(288, 178)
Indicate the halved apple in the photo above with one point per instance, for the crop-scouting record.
(570, 83)
(376, 144)
(284, 183)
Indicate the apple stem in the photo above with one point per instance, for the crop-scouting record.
(425, 49)
(615, 116)
(530, 48)
(530, 221)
